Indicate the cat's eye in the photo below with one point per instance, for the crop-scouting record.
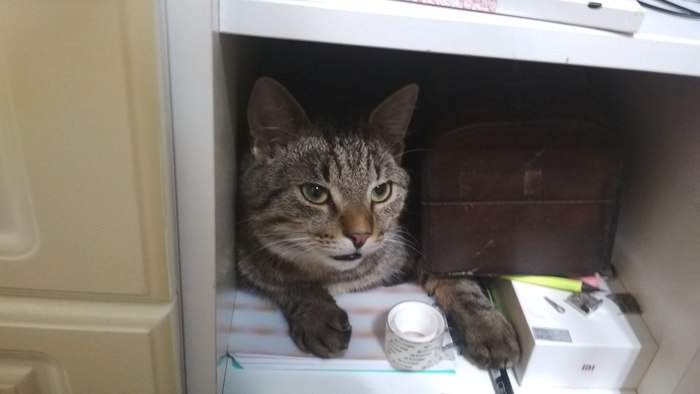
(315, 193)
(381, 193)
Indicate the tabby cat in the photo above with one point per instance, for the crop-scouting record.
(320, 208)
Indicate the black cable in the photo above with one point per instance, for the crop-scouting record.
(675, 9)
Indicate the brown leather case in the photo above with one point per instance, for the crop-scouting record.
(534, 196)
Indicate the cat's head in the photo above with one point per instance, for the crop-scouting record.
(322, 196)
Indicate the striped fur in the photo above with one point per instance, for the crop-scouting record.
(299, 249)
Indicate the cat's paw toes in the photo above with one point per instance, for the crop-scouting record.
(492, 342)
(324, 332)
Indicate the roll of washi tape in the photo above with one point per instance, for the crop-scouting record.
(414, 336)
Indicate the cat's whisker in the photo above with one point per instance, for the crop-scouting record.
(402, 232)
(418, 252)
(414, 151)
(400, 241)
(258, 235)
(407, 238)
(283, 233)
(293, 253)
(297, 249)
(409, 242)
(295, 246)
(291, 241)
(388, 149)
(272, 234)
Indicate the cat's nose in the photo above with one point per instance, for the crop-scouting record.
(358, 239)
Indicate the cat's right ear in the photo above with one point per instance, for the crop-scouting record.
(390, 120)
(274, 117)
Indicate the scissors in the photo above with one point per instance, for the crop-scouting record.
(674, 9)
(556, 306)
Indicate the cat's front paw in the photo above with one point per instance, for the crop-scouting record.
(320, 328)
(490, 339)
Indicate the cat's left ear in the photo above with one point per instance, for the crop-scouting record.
(390, 120)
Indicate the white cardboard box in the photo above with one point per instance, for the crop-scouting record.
(617, 15)
(605, 349)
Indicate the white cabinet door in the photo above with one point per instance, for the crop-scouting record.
(87, 250)
(81, 141)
